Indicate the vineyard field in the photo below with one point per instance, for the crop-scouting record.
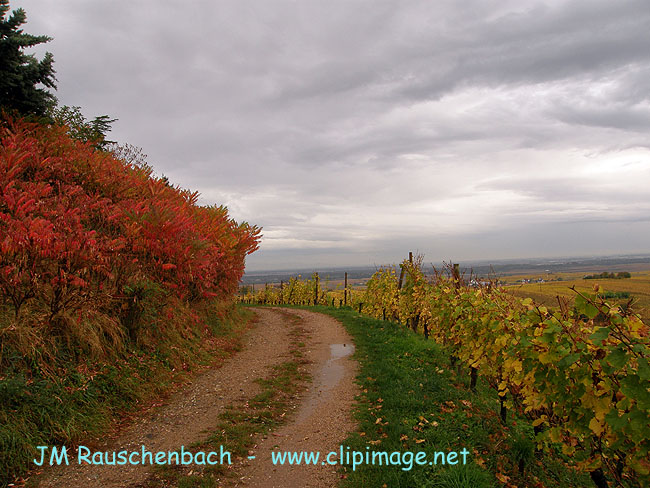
(638, 288)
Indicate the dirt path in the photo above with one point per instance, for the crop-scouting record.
(321, 423)
(323, 419)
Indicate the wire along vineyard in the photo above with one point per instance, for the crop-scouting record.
(580, 374)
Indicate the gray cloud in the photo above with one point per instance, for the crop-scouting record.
(353, 130)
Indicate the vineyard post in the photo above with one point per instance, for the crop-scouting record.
(281, 292)
(504, 409)
(345, 290)
(456, 275)
(401, 273)
(316, 285)
(598, 477)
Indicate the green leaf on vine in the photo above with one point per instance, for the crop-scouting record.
(585, 307)
(600, 335)
(644, 369)
(616, 422)
(567, 361)
(617, 358)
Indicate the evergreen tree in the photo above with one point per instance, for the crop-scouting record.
(93, 131)
(20, 73)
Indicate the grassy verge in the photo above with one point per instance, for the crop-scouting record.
(85, 397)
(412, 401)
(240, 424)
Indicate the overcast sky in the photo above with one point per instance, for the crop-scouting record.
(353, 132)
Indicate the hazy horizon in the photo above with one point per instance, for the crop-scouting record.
(644, 256)
(355, 131)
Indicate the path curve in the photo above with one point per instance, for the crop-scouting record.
(321, 423)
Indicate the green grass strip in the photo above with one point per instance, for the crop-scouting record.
(241, 423)
(412, 401)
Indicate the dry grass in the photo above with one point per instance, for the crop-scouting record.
(64, 380)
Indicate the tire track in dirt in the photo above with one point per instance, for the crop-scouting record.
(324, 417)
(188, 415)
(320, 423)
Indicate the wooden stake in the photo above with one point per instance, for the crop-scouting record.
(473, 377)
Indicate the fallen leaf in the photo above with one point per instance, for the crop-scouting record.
(502, 477)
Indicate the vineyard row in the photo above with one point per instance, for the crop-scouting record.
(580, 373)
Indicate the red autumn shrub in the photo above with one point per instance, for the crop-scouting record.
(79, 227)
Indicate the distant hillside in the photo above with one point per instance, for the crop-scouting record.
(480, 268)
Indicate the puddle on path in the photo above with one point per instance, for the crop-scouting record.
(341, 350)
(326, 379)
(332, 372)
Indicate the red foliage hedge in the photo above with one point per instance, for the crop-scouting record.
(78, 226)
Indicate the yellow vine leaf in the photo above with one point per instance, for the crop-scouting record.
(568, 450)
(555, 434)
(595, 426)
